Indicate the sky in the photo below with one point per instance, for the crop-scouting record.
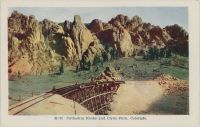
(161, 16)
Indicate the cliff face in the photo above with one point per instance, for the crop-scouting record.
(28, 51)
(86, 44)
(129, 36)
(179, 42)
(37, 47)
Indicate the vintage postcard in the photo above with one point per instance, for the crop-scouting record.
(99, 63)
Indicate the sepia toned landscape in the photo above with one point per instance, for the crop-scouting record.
(122, 66)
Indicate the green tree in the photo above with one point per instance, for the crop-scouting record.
(156, 52)
(151, 53)
(168, 52)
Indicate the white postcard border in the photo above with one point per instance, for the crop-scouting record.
(152, 120)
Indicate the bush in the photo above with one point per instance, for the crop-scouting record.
(154, 53)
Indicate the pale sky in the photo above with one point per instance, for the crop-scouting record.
(161, 16)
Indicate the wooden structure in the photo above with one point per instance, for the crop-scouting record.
(95, 96)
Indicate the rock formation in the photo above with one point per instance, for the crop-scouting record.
(28, 52)
(179, 42)
(96, 26)
(37, 47)
(86, 44)
(121, 31)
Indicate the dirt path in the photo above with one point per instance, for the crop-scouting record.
(135, 97)
(148, 97)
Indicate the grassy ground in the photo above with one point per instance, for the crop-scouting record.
(130, 69)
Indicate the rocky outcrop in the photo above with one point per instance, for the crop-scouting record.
(86, 44)
(119, 39)
(121, 31)
(146, 34)
(179, 42)
(81, 35)
(37, 47)
(129, 36)
(67, 26)
(96, 26)
(123, 20)
(28, 53)
(177, 32)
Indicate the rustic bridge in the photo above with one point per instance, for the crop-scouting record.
(95, 96)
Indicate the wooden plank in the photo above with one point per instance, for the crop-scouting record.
(97, 96)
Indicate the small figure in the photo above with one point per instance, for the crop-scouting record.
(108, 72)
